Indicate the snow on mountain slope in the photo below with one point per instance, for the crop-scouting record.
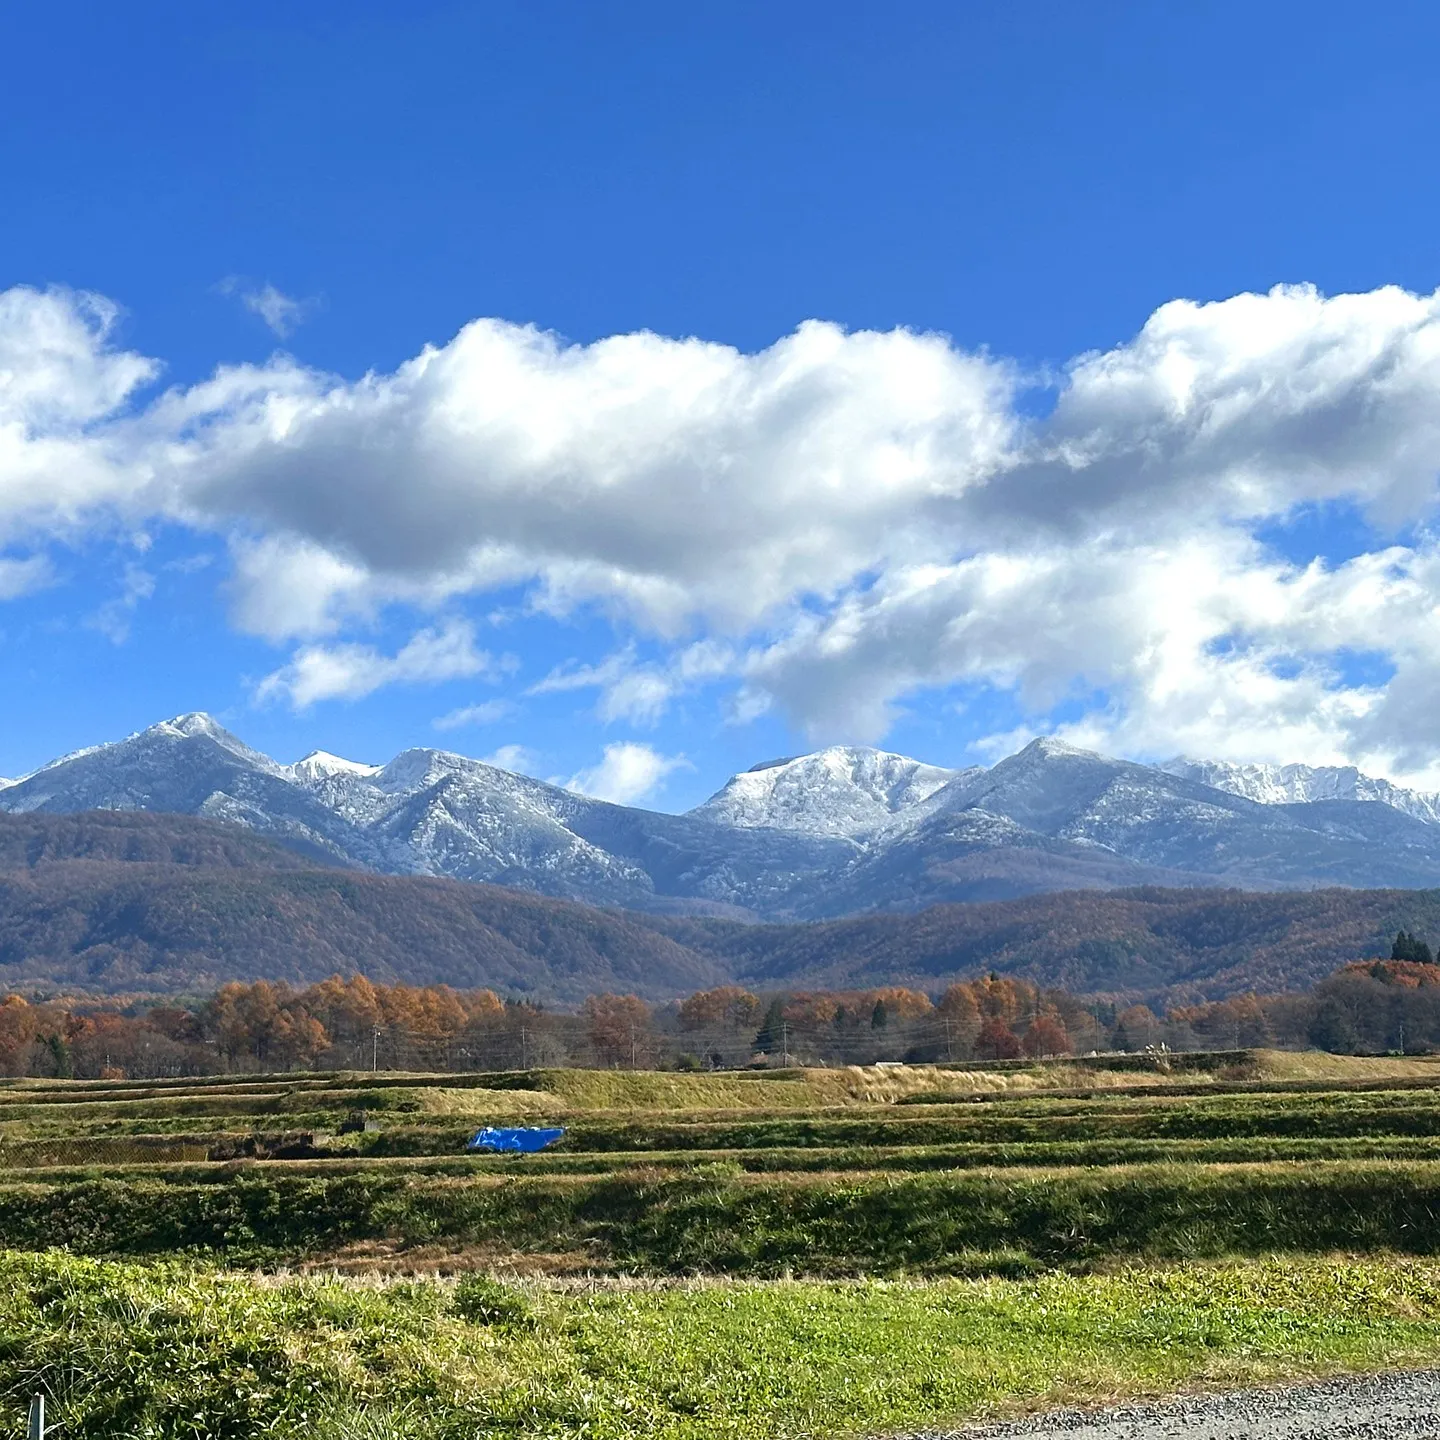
(321, 764)
(844, 790)
(1301, 784)
(841, 831)
(1155, 818)
(192, 765)
(472, 821)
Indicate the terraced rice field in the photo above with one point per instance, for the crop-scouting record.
(782, 1254)
(846, 1172)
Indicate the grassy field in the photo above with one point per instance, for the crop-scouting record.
(799, 1253)
(126, 1350)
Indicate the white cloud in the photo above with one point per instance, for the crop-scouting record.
(848, 519)
(350, 672)
(488, 712)
(670, 480)
(24, 577)
(627, 773)
(1209, 646)
(638, 692)
(519, 758)
(60, 378)
(281, 312)
(58, 371)
(286, 588)
(113, 618)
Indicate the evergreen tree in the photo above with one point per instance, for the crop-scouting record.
(1412, 948)
(879, 1016)
(60, 1056)
(768, 1036)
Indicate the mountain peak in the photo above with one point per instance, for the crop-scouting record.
(321, 764)
(193, 722)
(843, 790)
(1050, 747)
(196, 725)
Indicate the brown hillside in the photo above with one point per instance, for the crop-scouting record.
(127, 902)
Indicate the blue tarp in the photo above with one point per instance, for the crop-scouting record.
(524, 1138)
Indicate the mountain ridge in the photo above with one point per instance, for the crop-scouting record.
(1290, 784)
(844, 830)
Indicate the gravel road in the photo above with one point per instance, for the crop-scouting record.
(1402, 1406)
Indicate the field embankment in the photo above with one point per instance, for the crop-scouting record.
(885, 1171)
(322, 1258)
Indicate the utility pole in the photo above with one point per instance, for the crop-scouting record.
(374, 1049)
(785, 1044)
(949, 1039)
(632, 1047)
(524, 1050)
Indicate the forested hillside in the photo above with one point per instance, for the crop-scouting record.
(136, 903)
(1171, 944)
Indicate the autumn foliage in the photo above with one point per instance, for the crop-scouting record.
(354, 1023)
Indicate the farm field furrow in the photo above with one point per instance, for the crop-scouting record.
(295, 1255)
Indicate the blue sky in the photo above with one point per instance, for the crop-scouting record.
(1214, 536)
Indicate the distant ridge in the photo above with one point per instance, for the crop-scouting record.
(1301, 784)
(845, 830)
(122, 902)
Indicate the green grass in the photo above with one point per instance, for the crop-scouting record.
(161, 1352)
(713, 1221)
(1022, 1245)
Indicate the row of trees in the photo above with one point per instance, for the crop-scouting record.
(355, 1024)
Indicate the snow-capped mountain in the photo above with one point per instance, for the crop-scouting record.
(843, 831)
(192, 765)
(843, 790)
(431, 812)
(321, 765)
(1301, 784)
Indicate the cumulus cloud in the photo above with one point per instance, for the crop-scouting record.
(626, 774)
(669, 480)
(1239, 410)
(60, 378)
(352, 671)
(838, 522)
(285, 587)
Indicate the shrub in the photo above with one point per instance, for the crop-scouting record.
(482, 1300)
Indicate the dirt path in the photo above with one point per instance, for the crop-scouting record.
(1402, 1406)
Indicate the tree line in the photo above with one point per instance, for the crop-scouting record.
(1368, 1006)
